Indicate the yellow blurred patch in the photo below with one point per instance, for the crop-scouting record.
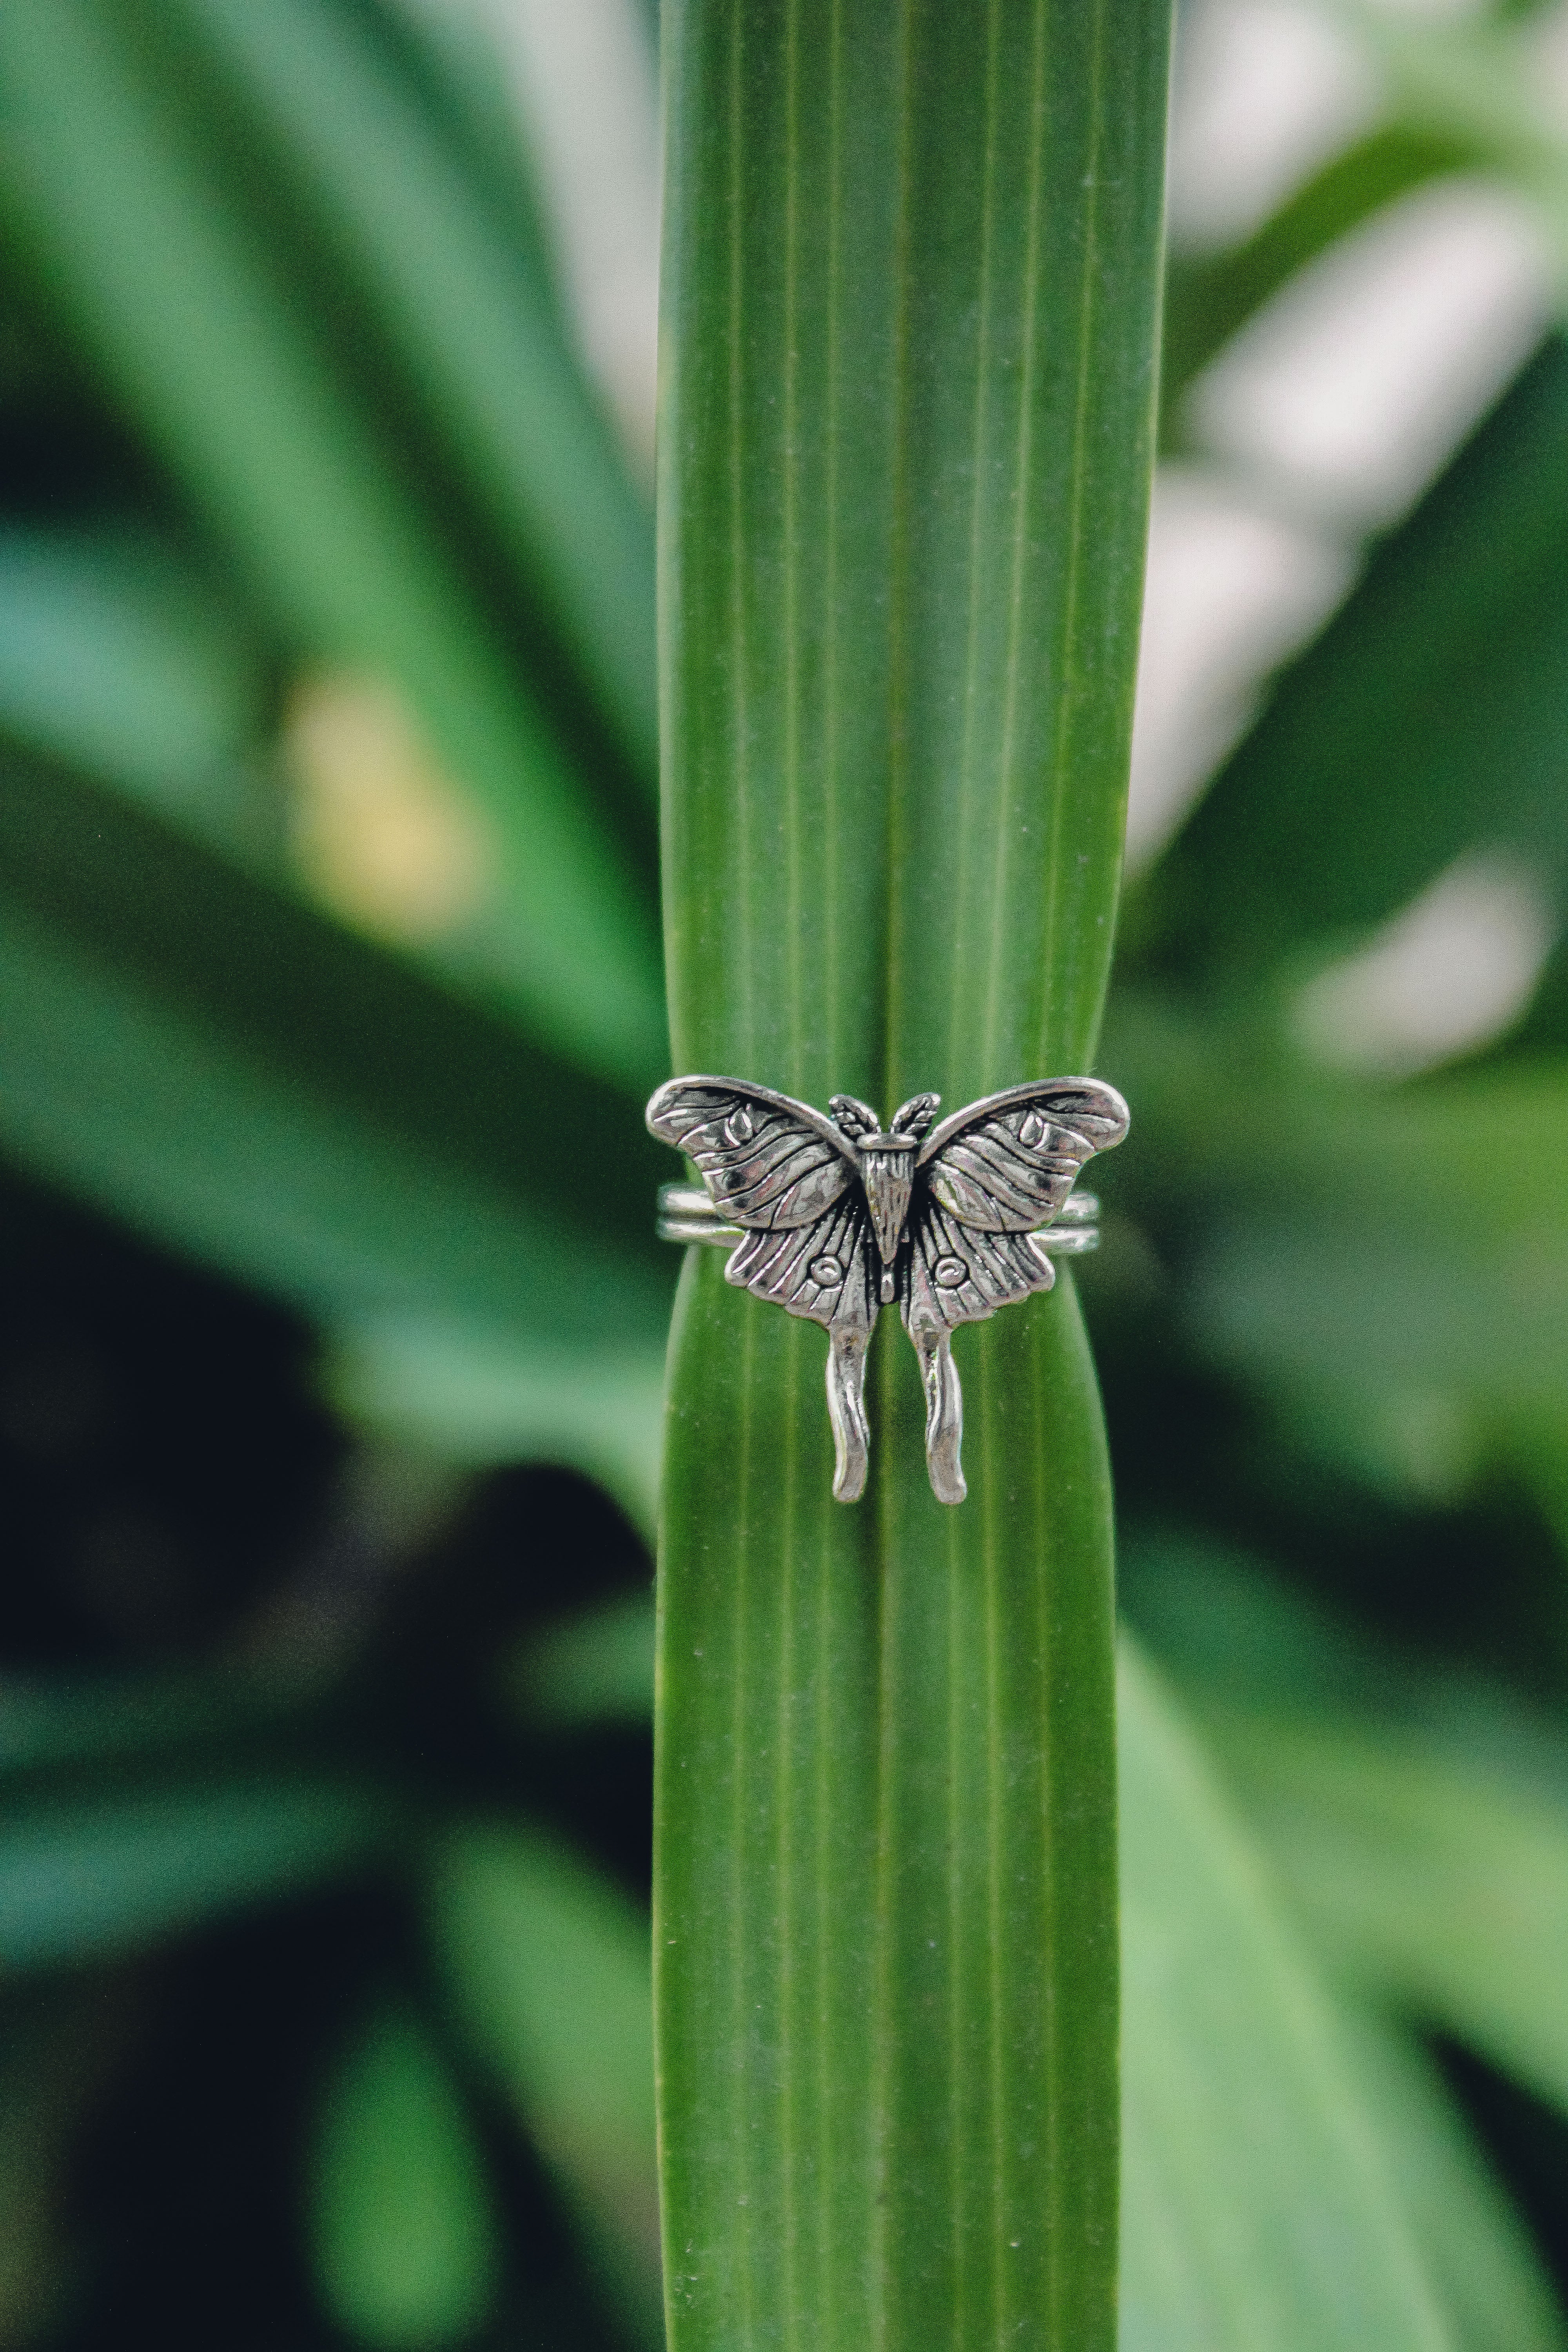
(380, 831)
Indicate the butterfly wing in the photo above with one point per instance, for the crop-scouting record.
(984, 1180)
(824, 1271)
(784, 1174)
(821, 1270)
(957, 1274)
(993, 1174)
(769, 1163)
(1005, 1165)
(960, 1273)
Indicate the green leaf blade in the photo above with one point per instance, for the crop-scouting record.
(910, 291)
(996, 1845)
(751, 2039)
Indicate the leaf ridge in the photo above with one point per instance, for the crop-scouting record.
(1001, 929)
(784, 1801)
(958, 2178)
(791, 534)
(996, 2051)
(833, 862)
(957, 1007)
(744, 2141)
(1075, 532)
(1050, 1907)
(745, 959)
(896, 862)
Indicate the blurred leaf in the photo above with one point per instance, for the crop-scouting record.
(1545, 1025)
(279, 1679)
(1340, 1235)
(1536, 1445)
(1476, 78)
(595, 1668)
(72, 1722)
(1386, 1312)
(910, 281)
(124, 207)
(103, 1875)
(462, 73)
(1334, 1252)
(235, 1076)
(118, 657)
(1424, 721)
(405, 2234)
(599, 1410)
(468, 76)
(472, 327)
(1417, 1820)
(1209, 297)
(122, 657)
(1486, 2270)
(547, 1968)
(1280, 2188)
(1295, 1139)
(1425, 1867)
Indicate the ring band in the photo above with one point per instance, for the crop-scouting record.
(687, 1214)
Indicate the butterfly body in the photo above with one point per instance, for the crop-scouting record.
(839, 1217)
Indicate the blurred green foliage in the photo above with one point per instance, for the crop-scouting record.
(332, 1324)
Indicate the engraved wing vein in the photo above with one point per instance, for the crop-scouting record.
(1008, 1163)
(782, 1171)
(989, 1179)
(961, 1274)
(784, 1266)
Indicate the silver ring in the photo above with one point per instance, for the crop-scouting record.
(835, 1216)
(687, 1214)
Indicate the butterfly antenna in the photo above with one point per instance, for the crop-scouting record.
(914, 1116)
(856, 1118)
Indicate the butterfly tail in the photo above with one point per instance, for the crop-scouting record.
(944, 1414)
(847, 1345)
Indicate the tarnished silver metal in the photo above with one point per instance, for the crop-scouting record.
(687, 1214)
(835, 1218)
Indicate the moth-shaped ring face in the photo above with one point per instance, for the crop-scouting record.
(839, 1217)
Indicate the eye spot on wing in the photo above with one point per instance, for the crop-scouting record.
(949, 1272)
(738, 1127)
(1031, 1133)
(826, 1271)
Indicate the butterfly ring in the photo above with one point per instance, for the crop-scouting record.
(835, 1218)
